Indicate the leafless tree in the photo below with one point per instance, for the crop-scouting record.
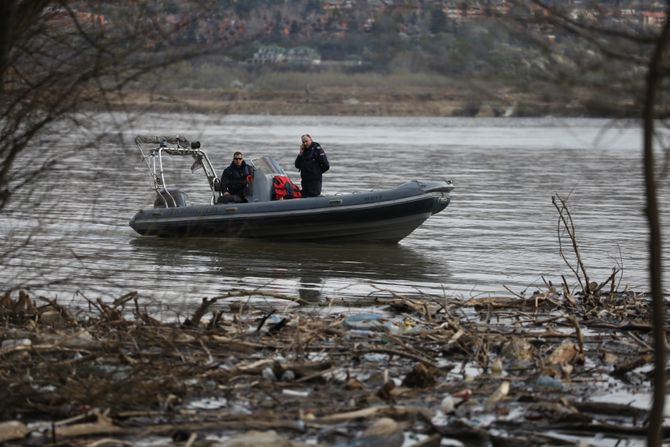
(67, 68)
(655, 76)
(625, 61)
(59, 58)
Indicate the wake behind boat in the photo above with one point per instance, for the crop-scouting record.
(386, 215)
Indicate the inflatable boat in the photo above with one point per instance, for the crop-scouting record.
(386, 215)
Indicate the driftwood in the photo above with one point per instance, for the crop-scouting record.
(114, 374)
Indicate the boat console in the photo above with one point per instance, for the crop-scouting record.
(266, 168)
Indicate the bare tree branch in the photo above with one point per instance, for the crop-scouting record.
(654, 436)
(565, 218)
(635, 62)
(56, 61)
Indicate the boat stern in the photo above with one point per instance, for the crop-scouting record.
(139, 229)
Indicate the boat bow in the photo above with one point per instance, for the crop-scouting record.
(440, 190)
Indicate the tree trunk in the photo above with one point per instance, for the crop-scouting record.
(654, 436)
(7, 9)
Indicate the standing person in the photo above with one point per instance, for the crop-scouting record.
(236, 179)
(312, 163)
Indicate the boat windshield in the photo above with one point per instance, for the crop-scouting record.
(268, 165)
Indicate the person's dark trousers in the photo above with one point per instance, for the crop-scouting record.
(231, 198)
(311, 188)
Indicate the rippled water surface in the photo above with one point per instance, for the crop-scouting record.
(499, 231)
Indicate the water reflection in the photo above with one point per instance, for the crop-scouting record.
(310, 288)
(285, 267)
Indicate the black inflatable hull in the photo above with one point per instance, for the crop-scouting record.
(375, 216)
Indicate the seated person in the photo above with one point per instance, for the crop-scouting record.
(235, 180)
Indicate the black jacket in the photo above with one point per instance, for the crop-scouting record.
(312, 162)
(234, 179)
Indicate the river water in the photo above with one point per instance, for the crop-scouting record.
(498, 233)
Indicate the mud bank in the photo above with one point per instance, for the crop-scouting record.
(357, 102)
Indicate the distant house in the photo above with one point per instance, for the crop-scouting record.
(653, 18)
(269, 54)
(369, 24)
(70, 20)
(330, 5)
(303, 56)
(274, 54)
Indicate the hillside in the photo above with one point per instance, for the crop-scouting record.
(388, 57)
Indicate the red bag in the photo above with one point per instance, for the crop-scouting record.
(284, 188)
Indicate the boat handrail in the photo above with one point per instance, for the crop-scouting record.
(180, 146)
(176, 140)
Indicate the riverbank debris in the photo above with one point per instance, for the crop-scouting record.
(534, 370)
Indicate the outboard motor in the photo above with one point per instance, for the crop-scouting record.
(170, 199)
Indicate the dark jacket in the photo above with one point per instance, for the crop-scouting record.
(234, 179)
(312, 162)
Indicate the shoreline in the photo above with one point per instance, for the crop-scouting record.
(343, 104)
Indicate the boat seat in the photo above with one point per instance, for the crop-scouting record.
(172, 198)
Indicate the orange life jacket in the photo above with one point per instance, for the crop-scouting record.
(284, 188)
